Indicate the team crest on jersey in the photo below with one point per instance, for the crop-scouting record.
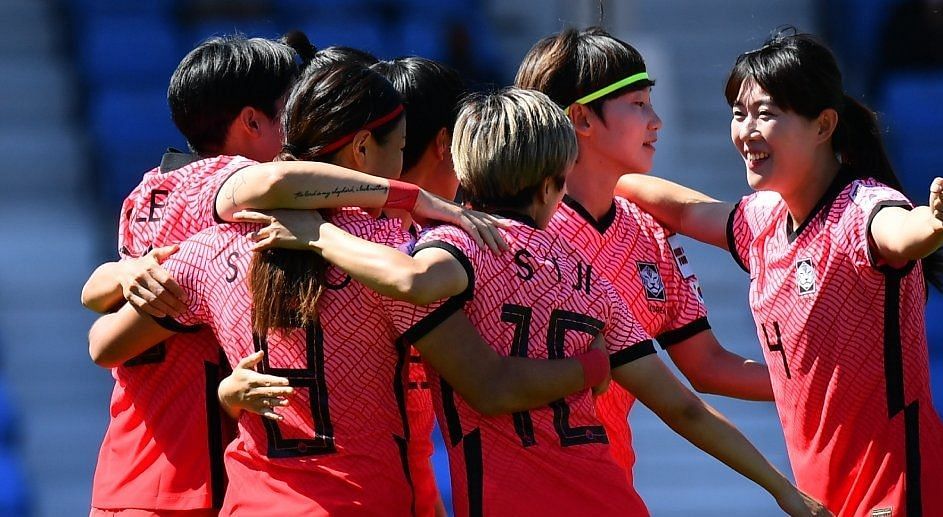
(651, 281)
(805, 276)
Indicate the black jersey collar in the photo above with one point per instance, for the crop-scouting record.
(842, 179)
(517, 216)
(174, 159)
(601, 225)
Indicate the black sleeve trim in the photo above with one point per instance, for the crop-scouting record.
(450, 306)
(627, 355)
(216, 217)
(886, 269)
(673, 337)
(175, 326)
(731, 242)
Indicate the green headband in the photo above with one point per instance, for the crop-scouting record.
(602, 92)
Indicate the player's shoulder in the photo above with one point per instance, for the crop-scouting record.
(633, 219)
(448, 234)
(382, 230)
(867, 193)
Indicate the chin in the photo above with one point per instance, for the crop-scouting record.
(755, 180)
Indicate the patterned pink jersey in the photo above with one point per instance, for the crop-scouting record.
(844, 338)
(536, 300)
(164, 445)
(342, 448)
(647, 266)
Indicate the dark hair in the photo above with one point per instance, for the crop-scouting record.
(572, 64)
(801, 75)
(219, 78)
(331, 102)
(326, 105)
(342, 54)
(432, 91)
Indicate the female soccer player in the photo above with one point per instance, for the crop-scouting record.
(512, 151)
(341, 446)
(603, 83)
(837, 284)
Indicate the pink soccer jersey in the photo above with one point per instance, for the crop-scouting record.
(651, 273)
(536, 300)
(164, 444)
(421, 422)
(342, 447)
(844, 338)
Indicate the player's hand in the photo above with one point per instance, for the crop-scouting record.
(482, 227)
(936, 202)
(149, 287)
(289, 229)
(798, 504)
(247, 389)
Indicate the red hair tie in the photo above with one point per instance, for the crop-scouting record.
(373, 124)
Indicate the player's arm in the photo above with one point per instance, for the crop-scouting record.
(140, 281)
(117, 337)
(655, 386)
(711, 368)
(429, 276)
(681, 209)
(300, 185)
(900, 235)
(493, 384)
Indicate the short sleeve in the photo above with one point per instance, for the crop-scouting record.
(626, 340)
(204, 189)
(687, 311)
(739, 234)
(414, 322)
(866, 199)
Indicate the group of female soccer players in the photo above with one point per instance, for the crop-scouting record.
(507, 316)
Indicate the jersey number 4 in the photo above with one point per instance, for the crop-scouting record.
(312, 378)
(777, 346)
(560, 322)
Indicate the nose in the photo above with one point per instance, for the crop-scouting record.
(747, 129)
(654, 123)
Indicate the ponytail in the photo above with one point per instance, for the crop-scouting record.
(858, 143)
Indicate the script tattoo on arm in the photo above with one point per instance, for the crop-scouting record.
(339, 191)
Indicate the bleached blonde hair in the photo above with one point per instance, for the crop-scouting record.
(507, 143)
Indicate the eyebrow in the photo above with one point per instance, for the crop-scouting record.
(761, 100)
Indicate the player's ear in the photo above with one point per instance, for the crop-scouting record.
(443, 143)
(248, 121)
(580, 116)
(827, 121)
(359, 148)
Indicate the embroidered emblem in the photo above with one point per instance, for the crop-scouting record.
(651, 281)
(805, 277)
(882, 512)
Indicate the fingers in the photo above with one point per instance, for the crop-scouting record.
(250, 361)
(142, 305)
(168, 290)
(250, 216)
(161, 254)
(936, 198)
(259, 380)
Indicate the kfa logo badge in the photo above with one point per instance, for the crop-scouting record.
(805, 277)
(651, 281)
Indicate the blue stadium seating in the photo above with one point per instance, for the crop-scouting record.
(913, 113)
(128, 50)
(131, 129)
(14, 491)
(360, 32)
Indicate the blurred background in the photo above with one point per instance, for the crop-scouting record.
(83, 114)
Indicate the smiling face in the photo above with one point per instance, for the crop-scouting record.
(777, 146)
(627, 137)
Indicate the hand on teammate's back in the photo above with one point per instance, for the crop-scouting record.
(482, 227)
(249, 390)
(149, 287)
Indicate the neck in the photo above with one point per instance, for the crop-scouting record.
(802, 200)
(590, 188)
